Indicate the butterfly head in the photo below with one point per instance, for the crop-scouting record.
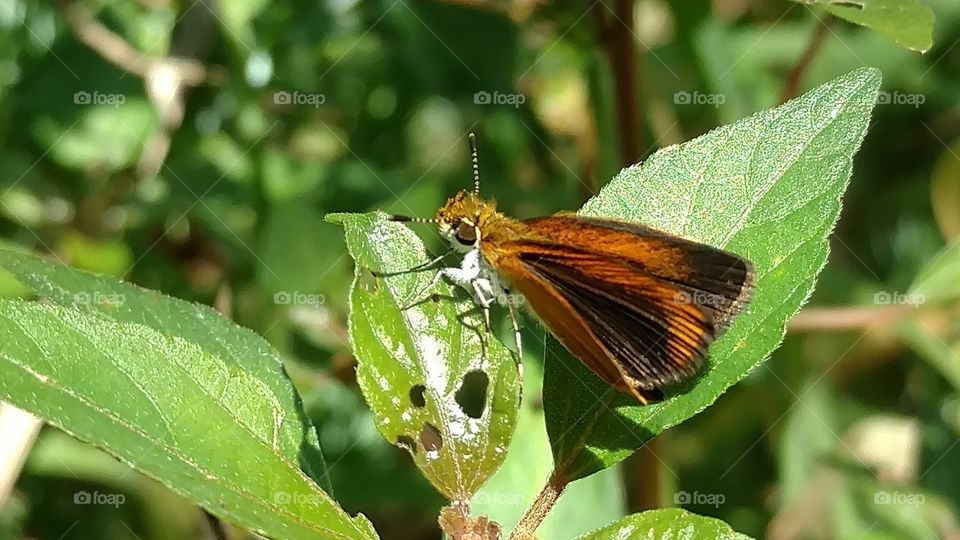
(461, 219)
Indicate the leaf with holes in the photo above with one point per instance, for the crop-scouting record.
(665, 524)
(174, 389)
(768, 188)
(437, 384)
(908, 23)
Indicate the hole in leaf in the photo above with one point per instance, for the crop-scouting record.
(417, 397)
(368, 281)
(430, 438)
(407, 443)
(472, 395)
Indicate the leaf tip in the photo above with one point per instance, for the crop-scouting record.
(337, 218)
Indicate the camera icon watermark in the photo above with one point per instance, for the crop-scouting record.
(893, 298)
(98, 98)
(898, 498)
(97, 498)
(698, 98)
(681, 498)
(897, 98)
(498, 98)
(283, 97)
(297, 298)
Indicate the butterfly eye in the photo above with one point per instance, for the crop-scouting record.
(466, 233)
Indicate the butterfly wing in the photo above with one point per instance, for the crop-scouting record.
(638, 306)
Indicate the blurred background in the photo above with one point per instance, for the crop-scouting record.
(194, 147)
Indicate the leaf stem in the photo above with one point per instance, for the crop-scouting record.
(541, 506)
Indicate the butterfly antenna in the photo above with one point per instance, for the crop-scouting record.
(407, 219)
(476, 163)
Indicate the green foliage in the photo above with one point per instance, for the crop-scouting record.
(667, 524)
(767, 188)
(585, 505)
(907, 22)
(420, 360)
(180, 392)
(215, 191)
(937, 281)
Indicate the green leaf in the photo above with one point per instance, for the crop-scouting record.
(767, 188)
(665, 524)
(937, 281)
(908, 23)
(107, 136)
(172, 388)
(932, 348)
(588, 504)
(945, 190)
(413, 362)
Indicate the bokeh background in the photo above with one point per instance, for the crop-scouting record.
(194, 147)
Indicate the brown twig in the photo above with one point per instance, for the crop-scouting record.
(117, 51)
(846, 317)
(644, 474)
(792, 82)
(541, 506)
(18, 431)
(615, 31)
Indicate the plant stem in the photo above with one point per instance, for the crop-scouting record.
(541, 506)
(642, 474)
(793, 78)
(825, 319)
(18, 431)
(617, 36)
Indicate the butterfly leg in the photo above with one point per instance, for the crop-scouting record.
(516, 337)
(433, 283)
(418, 268)
(480, 288)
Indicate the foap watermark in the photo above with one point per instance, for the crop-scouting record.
(98, 98)
(284, 498)
(698, 98)
(297, 298)
(898, 498)
(97, 298)
(700, 298)
(510, 299)
(685, 497)
(282, 97)
(499, 98)
(498, 499)
(893, 298)
(109, 499)
(897, 98)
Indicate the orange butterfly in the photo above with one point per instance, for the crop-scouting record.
(637, 306)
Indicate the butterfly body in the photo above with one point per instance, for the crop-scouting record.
(637, 306)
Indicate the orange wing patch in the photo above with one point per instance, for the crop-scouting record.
(626, 300)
